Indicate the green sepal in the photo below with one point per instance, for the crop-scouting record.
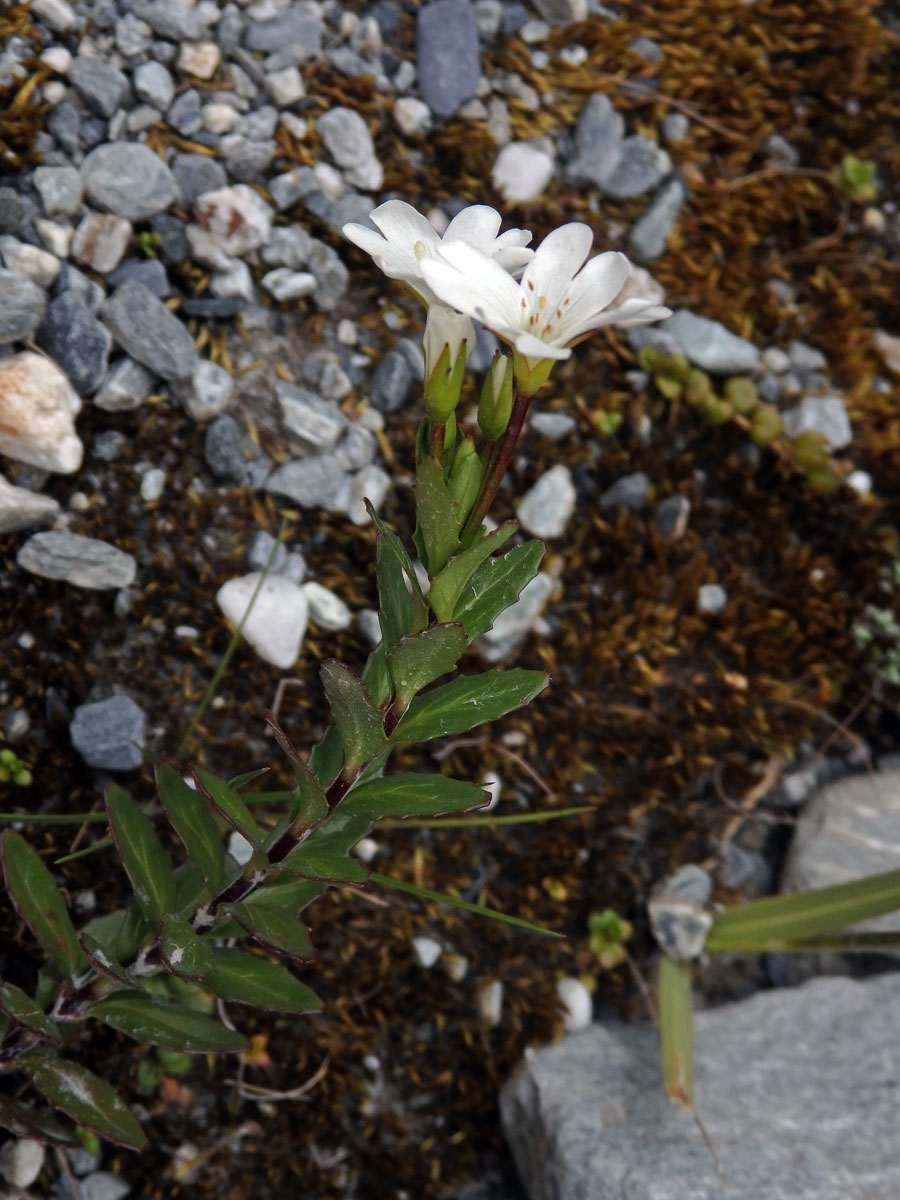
(226, 801)
(495, 586)
(145, 861)
(191, 817)
(445, 591)
(40, 904)
(468, 701)
(184, 953)
(465, 480)
(164, 1023)
(358, 721)
(416, 661)
(247, 979)
(413, 796)
(84, 1097)
(438, 520)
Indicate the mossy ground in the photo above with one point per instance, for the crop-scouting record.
(656, 713)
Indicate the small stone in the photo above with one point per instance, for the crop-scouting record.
(100, 241)
(562, 12)
(153, 484)
(102, 87)
(245, 159)
(346, 136)
(76, 340)
(21, 509)
(235, 284)
(805, 359)
(413, 117)
(522, 171)
(390, 381)
(369, 176)
(133, 36)
(285, 87)
(555, 425)
(83, 561)
(37, 407)
(219, 118)
(326, 609)
(126, 386)
(674, 126)
(173, 243)
(236, 217)
(780, 152)
(109, 445)
(315, 421)
(650, 233)
(820, 414)
(427, 951)
(316, 481)
(55, 236)
(294, 27)
(200, 59)
(184, 113)
(711, 598)
(332, 276)
(22, 1159)
(490, 1003)
(145, 329)
(284, 284)
(516, 622)
(209, 392)
(276, 623)
(671, 517)
(888, 346)
(60, 16)
(710, 345)
(265, 552)
(577, 1004)
(357, 448)
(196, 174)
(546, 509)
(59, 188)
(289, 246)
(860, 481)
(372, 484)
(776, 360)
(128, 179)
(294, 567)
(153, 83)
(597, 151)
(22, 308)
(29, 262)
(631, 491)
(447, 54)
(641, 166)
(223, 450)
(148, 271)
(104, 1185)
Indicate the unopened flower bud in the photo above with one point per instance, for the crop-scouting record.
(495, 405)
(464, 483)
(449, 338)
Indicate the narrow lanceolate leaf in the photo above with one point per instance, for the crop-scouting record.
(22, 1120)
(376, 676)
(396, 610)
(466, 702)
(103, 964)
(120, 934)
(183, 952)
(193, 821)
(39, 903)
(26, 1012)
(251, 980)
(416, 661)
(226, 801)
(241, 781)
(676, 1030)
(777, 919)
(495, 586)
(447, 587)
(438, 517)
(311, 803)
(162, 1023)
(358, 720)
(325, 854)
(274, 928)
(413, 796)
(84, 1097)
(405, 561)
(142, 855)
(285, 893)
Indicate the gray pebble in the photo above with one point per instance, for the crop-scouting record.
(22, 307)
(245, 159)
(346, 136)
(133, 36)
(262, 545)
(128, 179)
(649, 234)
(709, 344)
(184, 113)
(174, 20)
(671, 517)
(315, 421)
(711, 598)
(631, 491)
(641, 167)
(223, 451)
(674, 126)
(12, 210)
(109, 445)
(109, 735)
(64, 123)
(154, 84)
(102, 87)
(126, 386)
(546, 509)
(196, 174)
(390, 381)
(554, 425)
(447, 55)
(148, 271)
(597, 150)
(647, 48)
(59, 189)
(294, 27)
(805, 359)
(332, 277)
(145, 329)
(313, 482)
(85, 562)
(209, 391)
(173, 243)
(821, 414)
(76, 340)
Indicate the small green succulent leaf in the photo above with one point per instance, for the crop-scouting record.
(416, 661)
(229, 804)
(413, 796)
(325, 854)
(143, 857)
(448, 585)
(359, 722)
(84, 1097)
(23, 1010)
(676, 1030)
(192, 819)
(22, 1121)
(183, 953)
(471, 700)
(161, 1022)
(103, 964)
(274, 928)
(495, 586)
(247, 979)
(437, 517)
(40, 904)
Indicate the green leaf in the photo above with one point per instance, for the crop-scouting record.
(416, 661)
(479, 910)
(142, 855)
(312, 804)
(419, 602)
(466, 702)
(495, 586)
(183, 952)
(22, 1120)
(325, 854)
(413, 796)
(191, 889)
(251, 980)
(778, 919)
(676, 1030)
(396, 610)
(162, 1023)
(84, 1097)
(103, 964)
(437, 513)
(274, 928)
(359, 722)
(25, 1011)
(40, 904)
(285, 893)
(119, 934)
(226, 801)
(447, 587)
(241, 781)
(376, 676)
(327, 757)
(194, 823)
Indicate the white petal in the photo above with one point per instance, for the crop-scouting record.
(556, 261)
(361, 235)
(625, 319)
(592, 290)
(401, 223)
(468, 280)
(513, 258)
(477, 225)
(533, 347)
(512, 237)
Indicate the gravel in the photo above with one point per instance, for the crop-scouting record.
(143, 326)
(447, 55)
(129, 180)
(648, 236)
(76, 341)
(709, 344)
(110, 734)
(82, 561)
(22, 308)
(102, 87)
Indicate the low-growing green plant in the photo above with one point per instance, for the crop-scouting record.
(12, 769)
(858, 178)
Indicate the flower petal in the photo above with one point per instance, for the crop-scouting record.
(592, 290)
(403, 224)
(533, 347)
(556, 261)
(477, 225)
(468, 280)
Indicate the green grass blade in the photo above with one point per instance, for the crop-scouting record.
(676, 1030)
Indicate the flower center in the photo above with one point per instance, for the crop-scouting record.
(420, 250)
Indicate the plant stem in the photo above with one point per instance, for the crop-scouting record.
(502, 459)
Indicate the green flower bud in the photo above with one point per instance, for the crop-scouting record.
(765, 424)
(466, 477)
(495, 405)
(449, 338)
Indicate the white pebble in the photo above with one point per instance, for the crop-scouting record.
(239, 848)
(522, 171)
(285, 284)
(57, 58)
(546, 509)
(277, 621)
(456, 966)
(366, 849)
(326, 609)
(490, 1003)
(412, 116)
(577, 1002)
(152, 484)
(860, 481)
(491, 783)
(199, 59)
(711, 598)
(21, 1161)
(57, 238)
(347, 333)
(285, 87)
(427, 951)
(219, 118)
(297, 127)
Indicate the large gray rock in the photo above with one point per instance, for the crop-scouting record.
(447, 54)
(798, 1090)
(128, 179)
(709, 344)
(83, 561)
(145, 329)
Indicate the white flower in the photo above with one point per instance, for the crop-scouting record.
(559, 299)
(407, 240)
